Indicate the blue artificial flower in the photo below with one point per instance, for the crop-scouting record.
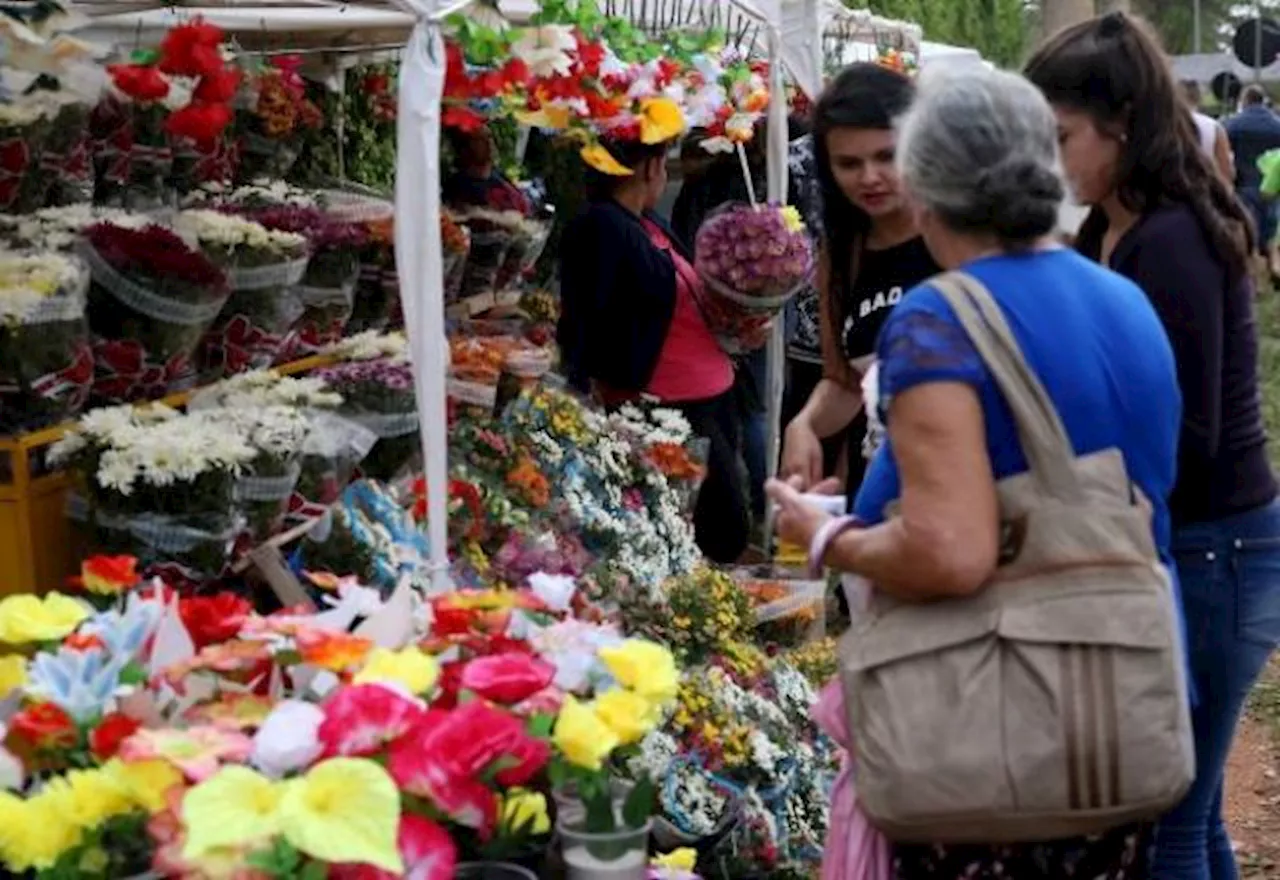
(125, 633)
(80, 682)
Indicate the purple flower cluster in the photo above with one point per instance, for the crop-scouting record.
(395, 375)
(321, 230)
(753, 251)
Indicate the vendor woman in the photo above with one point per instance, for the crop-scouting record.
(477, 182)
(630, 325)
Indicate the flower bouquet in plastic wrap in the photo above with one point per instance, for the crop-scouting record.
(24, 125)
(752, 260)
(456, 242)
(60, 229)
(377, 293)
(65, 159)
(151, 300)
(160, 486)
(492, 234)
(379, 395)
(326, 291)
(277, 110)
(46, 365)
(262, 265)
(526, 247)
(278, 434)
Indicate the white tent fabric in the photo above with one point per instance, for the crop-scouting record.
(933, 55)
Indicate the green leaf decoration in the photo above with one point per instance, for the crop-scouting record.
(639, 803)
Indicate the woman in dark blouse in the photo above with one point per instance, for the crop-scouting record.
(871, 253)
(1162, 217)
(630, 326)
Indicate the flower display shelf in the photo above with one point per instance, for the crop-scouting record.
(37, 551)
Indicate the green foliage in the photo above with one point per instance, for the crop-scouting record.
(999, 29)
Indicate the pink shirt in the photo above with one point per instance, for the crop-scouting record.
(691, 365)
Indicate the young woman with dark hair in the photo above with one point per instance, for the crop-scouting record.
(1164, 218)
(871, 253)
(630, 326)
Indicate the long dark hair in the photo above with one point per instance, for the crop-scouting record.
(866, 96)
(1114, 69)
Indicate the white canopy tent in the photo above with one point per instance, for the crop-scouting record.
(789, 32)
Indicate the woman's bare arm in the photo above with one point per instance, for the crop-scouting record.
(944, 540)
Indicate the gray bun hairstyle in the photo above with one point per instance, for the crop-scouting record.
(980, 149)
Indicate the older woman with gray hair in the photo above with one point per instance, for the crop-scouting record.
(978, 155)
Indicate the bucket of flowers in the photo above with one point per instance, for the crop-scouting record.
(151, 300)
(278, 435)
(275, 107)
(46, 364)
(262, 265)
(160, 486)
(377, 291)
(24, 125)
(60, 229)
(139, 141)
(752, 259)
(326, 291)
(379, 395)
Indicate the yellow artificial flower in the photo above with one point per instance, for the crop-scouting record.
(525, 812)
(148, 783)
(42, 832)
(13, 673)
(548, 116)
(28, 618)
(683, 859)
(602, 160)
(580, 735)
(234, 807)
(660, 120)
(344, 810)
(91, 797)
(409, 667)
(791, 219)
(647, 668)
(629, 715)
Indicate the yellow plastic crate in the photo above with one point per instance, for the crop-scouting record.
(39, 547)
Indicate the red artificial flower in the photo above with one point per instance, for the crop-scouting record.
(111, 731)
(448, 684)
(82, 642)
(192, 49)
(668, 70)
(462, 118)
(43, 726)
(106, 575)
(288, 66)
(507, 678)
(590, 55)
(466, 741)
(139, 82)
(199, 122)
(427, 849)
(218, 87)
(361, 719)
(523, 762)
(213, 619)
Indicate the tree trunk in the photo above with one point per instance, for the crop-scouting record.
(1058, 14)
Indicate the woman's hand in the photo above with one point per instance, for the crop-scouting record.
(801, 454)
(796, 520)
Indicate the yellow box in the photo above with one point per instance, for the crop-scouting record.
(38, 545)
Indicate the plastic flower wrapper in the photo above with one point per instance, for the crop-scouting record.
(65, 157)
(263, 491)
(456, 241)
(150, 302)
(60, 229)
(492, 233)
(379, 395)
(24, 125)
(331, 453)
(278, 107)
(377, 291)
(326, 291)
(752, 260)
(46, 363)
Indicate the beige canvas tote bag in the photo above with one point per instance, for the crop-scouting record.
(1052, 703)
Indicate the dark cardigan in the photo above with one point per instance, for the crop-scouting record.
(617, 298)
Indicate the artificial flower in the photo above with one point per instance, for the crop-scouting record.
(196, 751)
(148, 783)
(108, 575)
(679, 864)
(108, 734)
(645, 667)
(13, 673)
(629, 715)
(43, 726)
(289, 738)
(580, 735)
(555, 590)
(409, 667)
(26, 618)
(525, 812)
(361, 719)
(232, 808)
(13, 776)
(523, 760)
(334, 651)
(82, 682)
(427, 849)
(192, 49)
(660, 120)
(507, 678)
(213, 619)
(602, 160)
(344, 810)
(236, 710)
(218, 87)
(139, 83)
(546, 50)
(200, 122)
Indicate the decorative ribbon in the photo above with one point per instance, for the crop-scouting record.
(125, 375)
(15, 157)
(72, 381)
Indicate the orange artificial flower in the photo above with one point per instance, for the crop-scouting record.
(337, 652)
(674, 461)
(526, 477)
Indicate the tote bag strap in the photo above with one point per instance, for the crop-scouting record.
(1044, 440)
